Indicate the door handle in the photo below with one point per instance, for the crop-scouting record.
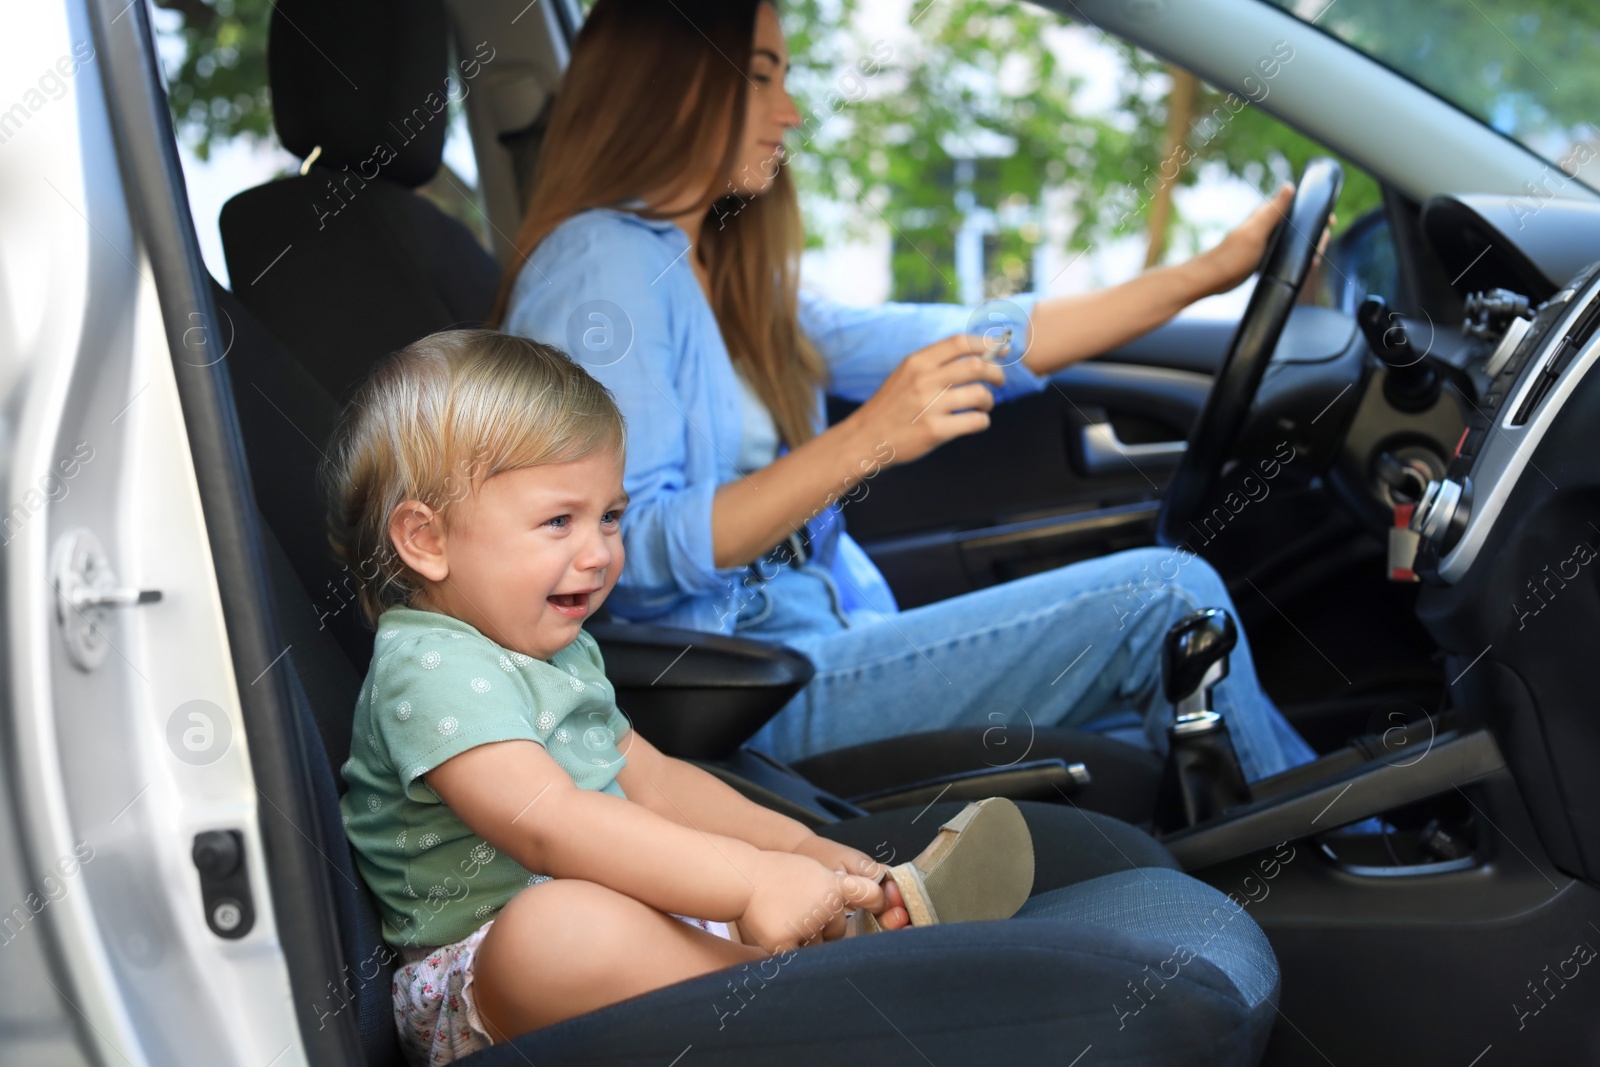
(1106, 453)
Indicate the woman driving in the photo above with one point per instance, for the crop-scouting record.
(661, 248)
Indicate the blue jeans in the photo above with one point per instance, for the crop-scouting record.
(1077, 646)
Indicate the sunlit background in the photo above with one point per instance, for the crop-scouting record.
(963, 150)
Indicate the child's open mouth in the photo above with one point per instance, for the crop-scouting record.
(572, 605)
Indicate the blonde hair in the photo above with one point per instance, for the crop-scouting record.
(437, 418)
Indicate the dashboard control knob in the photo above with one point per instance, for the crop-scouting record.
(1418, 514)
(1410, 383)
(1441, 517)
(1491, 312)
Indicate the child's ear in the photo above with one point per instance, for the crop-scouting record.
(417, 533)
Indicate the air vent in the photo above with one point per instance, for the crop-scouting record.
(1561, 353)
(1584, 328)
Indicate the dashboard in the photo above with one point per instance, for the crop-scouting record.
(1527, 378)
(1532, 316)
(1509, 529)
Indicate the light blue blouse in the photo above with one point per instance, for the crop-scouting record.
(759, 441)
(615, 291)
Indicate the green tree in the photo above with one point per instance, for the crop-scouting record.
(984, 73)
(219, 89)
(1525, 67)
(887, 130)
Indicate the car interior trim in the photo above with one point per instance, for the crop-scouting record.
(301, 901)
(1508, 450)
(1371, 789)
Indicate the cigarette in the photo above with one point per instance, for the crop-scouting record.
(997, 348)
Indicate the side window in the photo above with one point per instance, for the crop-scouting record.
(971, 150)
(1362, 262)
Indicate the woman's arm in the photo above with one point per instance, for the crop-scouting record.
(931, 396)
(750, 515)
(1072, 328)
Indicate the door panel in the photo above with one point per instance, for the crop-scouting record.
(1068, 473)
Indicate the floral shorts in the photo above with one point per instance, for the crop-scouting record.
(433, 1003)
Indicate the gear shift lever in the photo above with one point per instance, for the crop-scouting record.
(1202, 774)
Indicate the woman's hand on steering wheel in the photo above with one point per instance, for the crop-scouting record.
(935, 394)
(1240, 252)
(1285, 263)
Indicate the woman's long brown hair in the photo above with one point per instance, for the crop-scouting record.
(653, 92)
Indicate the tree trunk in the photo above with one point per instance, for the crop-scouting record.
(1180, 113)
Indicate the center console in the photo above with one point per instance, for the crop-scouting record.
(1509, 561)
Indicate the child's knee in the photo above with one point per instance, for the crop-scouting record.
(571, 920)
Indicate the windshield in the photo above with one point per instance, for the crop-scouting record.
(1527, 68)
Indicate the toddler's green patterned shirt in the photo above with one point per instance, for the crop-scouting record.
(436, 688)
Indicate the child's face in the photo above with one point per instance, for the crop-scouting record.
(533, 553)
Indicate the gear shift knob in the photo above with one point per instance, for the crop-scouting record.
(1194, 656)
(1202, 777)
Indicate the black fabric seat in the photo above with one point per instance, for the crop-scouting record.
(1019, 991)
(346, 262)
(1023, 990)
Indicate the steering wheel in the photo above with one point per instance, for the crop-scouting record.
(1291, 250)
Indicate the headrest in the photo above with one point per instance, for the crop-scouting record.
(365, 80)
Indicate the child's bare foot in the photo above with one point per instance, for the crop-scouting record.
(894, 915)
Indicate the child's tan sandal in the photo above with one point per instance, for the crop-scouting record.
(980, 866)
(861, 921)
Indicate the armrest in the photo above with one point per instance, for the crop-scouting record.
(697, 695)
(1042, 779)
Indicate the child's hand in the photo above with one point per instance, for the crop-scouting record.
(837, 857)
(796, 900)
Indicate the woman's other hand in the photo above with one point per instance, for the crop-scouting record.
(935, 394)
(794, 900)
(1240, 252)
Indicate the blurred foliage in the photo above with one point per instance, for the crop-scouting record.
(885, 128)
(987, 79)
(1526, 67)
(219, 90)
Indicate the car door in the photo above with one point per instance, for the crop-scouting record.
(148, 784)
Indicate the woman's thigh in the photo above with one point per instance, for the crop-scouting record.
(566, 947)
(1065, 647)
